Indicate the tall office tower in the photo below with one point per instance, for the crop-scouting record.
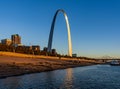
(16, 39)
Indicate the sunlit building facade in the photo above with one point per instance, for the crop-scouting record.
(16, 39)
(6, 41)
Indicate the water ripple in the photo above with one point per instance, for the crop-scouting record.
(88, 77)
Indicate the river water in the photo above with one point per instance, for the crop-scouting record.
(88, 77)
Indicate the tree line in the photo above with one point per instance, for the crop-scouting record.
(27, 50)
(24, 50)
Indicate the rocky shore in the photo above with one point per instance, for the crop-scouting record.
(19, 65)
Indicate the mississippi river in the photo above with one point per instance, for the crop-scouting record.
(87, 77)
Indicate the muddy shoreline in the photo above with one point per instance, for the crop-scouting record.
(14, 66)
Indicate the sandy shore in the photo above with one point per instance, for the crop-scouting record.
(12, 64)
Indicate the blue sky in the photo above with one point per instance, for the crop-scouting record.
(95, 24)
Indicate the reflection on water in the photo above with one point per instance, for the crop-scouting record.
(88, 77)
(68, 81)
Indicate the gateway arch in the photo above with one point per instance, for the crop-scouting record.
(52, 30)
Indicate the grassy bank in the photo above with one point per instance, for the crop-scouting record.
(12, 64)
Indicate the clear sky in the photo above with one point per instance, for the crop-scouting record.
(95, 24)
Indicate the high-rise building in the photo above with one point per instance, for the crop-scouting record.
(16, 39)
(6, 41)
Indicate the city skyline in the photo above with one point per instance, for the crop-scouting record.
(94, 24)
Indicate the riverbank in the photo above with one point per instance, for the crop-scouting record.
(13, 64)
